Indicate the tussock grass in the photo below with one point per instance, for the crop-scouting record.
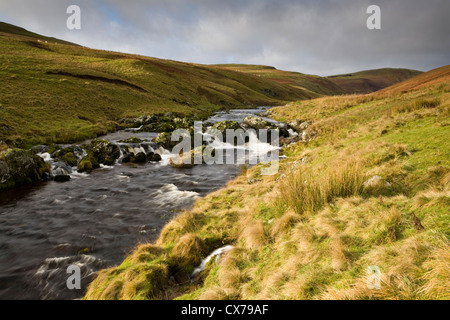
(253, 234)
(416, 105)
(437, 276)
(312, 230)
(305, 193)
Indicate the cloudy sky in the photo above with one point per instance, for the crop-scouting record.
(321, 37)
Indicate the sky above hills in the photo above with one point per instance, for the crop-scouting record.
(317, 37)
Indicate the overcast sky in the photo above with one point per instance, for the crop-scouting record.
(310, 36)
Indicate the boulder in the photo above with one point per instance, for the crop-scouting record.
(40, 149)
(105, 152)
(18, 167)
(159, 127)
(164, 139)
(288, 140)
(299, 125)
(376, 181)
(140, 157)
(88, 163)
(152, 156)
(377, 185)
(256, 123)
(61, 172)
(67, 155)
(222, 126)
(132, 140)
(186, 161)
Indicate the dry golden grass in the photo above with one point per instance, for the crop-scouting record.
(427, 79)
(188, 249)
(339, 260)
(305, 193)
(253, 234)
(437, 277)
(285, 223)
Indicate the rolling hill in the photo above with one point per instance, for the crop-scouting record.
(439, 76)
(315, 85)
(372, 80)
(54, 91)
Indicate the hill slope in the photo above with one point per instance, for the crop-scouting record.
(372, 188)
(53, 91)
(372, 80)
(439, 76)
(317, 86)
(12, 29)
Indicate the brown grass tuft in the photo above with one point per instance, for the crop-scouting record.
(437, 278)
(188, 250)
(305, 192)
(285, 223)
(253, 235)
(339, 260)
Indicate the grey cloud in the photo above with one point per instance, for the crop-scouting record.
(318, 37)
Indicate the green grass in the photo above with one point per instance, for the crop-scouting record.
(56, 92)
(312, 230)
(314, 86)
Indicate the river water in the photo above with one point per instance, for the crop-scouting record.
(94, 220)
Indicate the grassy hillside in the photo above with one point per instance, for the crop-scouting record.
(53, 91)
(315, 85)
(371, 188)
(372, 80)
(12, 29)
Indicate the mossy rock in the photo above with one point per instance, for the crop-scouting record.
(183, 123)
(160, 127)
(67, 155)
(164, 139)
(222, 126)
(69, 159)
(105, 152)
(18, 167)
(88, 163)
(141, 157)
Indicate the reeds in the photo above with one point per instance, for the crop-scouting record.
(305, 191)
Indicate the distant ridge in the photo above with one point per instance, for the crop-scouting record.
(426, 79)
(12, 29)
(372, 80)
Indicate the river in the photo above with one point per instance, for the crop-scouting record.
(94, 220)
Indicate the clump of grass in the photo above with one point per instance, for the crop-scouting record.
(437, 277)
(428, 103)
(132, 280)
(424, 103)
(188, 251)
(253, 234)
(304, 192)
(285, 223)
(339, 260)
